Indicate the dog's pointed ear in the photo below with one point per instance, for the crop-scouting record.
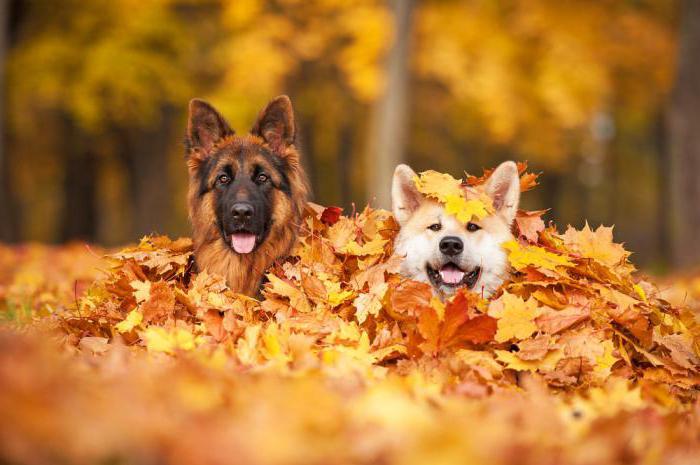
(205, 126)
(405, 198)
(275, 124)
(504, 189)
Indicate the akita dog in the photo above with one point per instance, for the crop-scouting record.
(440, 250)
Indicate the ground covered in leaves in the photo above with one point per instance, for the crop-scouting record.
(135, 358)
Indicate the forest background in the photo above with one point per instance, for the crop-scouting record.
(603, 97)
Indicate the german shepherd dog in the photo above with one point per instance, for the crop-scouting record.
(438, 249)
(246, 193)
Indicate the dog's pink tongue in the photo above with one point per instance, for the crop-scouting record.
(243, 242)
(450, 274)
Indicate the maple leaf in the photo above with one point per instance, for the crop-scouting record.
(297, 299)
(272, 339)
(159, 339)
(515, 317)
(463, 323)
(466, 210)
(527, 180)
(373, 247)
(681, 350)
(521, 257)
(331, 215)
(552, 321)
(370, 303)
(535, 348)
(132, 320)
(597, 244)
(409, 299)
(160, 302)
(444, 325)
(513, 362)
(439, 186)
(605, 361)
(530, 224)
(142, 290)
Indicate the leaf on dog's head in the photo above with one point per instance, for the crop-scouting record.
(449, 191)
(527, 180)
(439, 186)
(466, 210)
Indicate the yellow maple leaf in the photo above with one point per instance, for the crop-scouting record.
(465, 210)
(247, 346)
(159, 339)
(605, 361)
(296, 297)
(142, 290)
(439, 307)
(597, 244)
(336, 296)
(436, 185)
(132, 320)
(369, 303)
(272, 344)
(522, 257)
(217, 300)
(373, 247)
(511, 361)
(515, 317)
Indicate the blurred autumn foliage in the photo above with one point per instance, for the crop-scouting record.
(95, 97)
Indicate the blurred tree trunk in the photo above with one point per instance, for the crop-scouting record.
(345, 163)
(79, 218)
(663, 198)
(145, 153)
(8, 218)
(388, 134)
(684, 141)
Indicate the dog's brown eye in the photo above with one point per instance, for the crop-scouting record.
(471, 227)
(435, 227)
(224, 179)
(262, 177)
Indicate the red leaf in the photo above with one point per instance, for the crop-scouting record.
(331, 215)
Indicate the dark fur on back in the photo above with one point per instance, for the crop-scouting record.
(215, 154)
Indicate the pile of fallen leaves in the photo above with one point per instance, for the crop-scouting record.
(577, 359)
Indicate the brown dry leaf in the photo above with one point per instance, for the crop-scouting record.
(282, 288)
(681, 350)
(552, 321)
(160, 304)
(535, 348)
(530, 223)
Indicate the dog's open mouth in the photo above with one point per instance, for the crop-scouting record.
(243, 242)
(451, 275)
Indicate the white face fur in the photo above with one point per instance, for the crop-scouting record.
(439, 250)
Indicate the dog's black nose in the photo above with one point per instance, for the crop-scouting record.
(451, 245)
(242, 211)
